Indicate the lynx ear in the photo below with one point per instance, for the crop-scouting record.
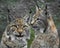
(27, 18)
(8, 19)
(37, 9)
(51, 24)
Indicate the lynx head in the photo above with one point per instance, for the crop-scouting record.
(36, 15)
(38, 21)
(17, 27)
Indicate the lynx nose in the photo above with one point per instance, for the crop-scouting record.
(20, 30)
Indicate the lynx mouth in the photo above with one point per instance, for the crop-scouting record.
(20, 35)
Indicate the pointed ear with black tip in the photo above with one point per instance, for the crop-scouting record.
(38, 10)
(9, 17)
(27, 18)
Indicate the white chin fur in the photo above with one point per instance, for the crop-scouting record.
(12, 38)
(41, 30)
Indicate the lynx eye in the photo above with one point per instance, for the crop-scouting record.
(24, 26)
(14, 26)
(35, 26)
(38, 19)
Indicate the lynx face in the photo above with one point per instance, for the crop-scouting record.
(16, 34)
(38, 26)
(18, 27)
(38, 21)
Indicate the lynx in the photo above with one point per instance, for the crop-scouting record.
(38, 21)
(49, 39)
(16, 34)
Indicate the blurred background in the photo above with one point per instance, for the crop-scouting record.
(20, 8)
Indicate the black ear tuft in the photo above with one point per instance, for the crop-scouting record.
(8, 17)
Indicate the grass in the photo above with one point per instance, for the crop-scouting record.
(31, 37)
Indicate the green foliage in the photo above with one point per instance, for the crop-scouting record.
(41, 4)
(32, 10)
(31, 37)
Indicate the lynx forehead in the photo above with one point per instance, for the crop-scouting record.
(19, 23)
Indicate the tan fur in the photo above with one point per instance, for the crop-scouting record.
(47, 40)
(52, 25)
(20, 25)
(38, 12)
(16, 34)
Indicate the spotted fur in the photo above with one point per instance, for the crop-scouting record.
(16, 34)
